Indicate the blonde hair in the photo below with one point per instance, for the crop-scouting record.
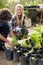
(22, 17)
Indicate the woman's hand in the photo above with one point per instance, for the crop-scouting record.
(10, 43)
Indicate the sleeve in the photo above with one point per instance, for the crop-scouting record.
(13, 22)
(10, 27)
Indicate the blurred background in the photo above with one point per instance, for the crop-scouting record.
(11, 3)
(35, 13)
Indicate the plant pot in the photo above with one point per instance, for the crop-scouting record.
(40, 62)
(24, 50)
(41, 51)
(35, 50)
(24, 60)
(9, 54)
(29, 48)
(17, 47)
(2, 47)
(16, 56)
(33, 62)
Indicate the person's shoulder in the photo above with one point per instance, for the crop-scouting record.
(14, 17)
(8, 23)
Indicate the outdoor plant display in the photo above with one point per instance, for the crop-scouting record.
(36, 36)
(37, 54)
(29, 47)
(16, 52)
(8, 50)
(36, 39)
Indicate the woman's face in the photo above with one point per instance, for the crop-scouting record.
(19, 11)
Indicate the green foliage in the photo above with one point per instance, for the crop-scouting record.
(36, 36)
(3, 4)
(23, 43)
(38, 28)
(15, 40)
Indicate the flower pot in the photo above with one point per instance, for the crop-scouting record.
(35, 59)
(24, 60)
(41, 51)
(24, 49)
(9, 54)
(33, 62)
(2, 47)
(16, 56)
(40, 62)
(36, 50)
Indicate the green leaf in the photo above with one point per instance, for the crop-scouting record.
(15, 40)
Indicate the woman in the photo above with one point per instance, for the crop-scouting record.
(18, 21)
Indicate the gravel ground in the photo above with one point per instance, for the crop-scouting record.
(3, 60)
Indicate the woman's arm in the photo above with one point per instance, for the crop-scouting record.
(11, 34)
(3, 38)
(6, 40)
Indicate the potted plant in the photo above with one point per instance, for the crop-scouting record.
(16, 52)
(24, 60)
(9, 54)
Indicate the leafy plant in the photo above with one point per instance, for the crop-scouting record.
(42, 40)
(3, 4)
(23, 43)
(15, 40)
(36, 37)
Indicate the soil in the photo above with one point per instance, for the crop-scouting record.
(4, 61)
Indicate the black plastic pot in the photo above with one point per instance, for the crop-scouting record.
(9, 54)
(36, 50)
(24, 60)
(41, 51)
(33, 62)
(2, 47)
(24, 49)
(17, 47)
(36, 60)
(40, 62)
(16, 56)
